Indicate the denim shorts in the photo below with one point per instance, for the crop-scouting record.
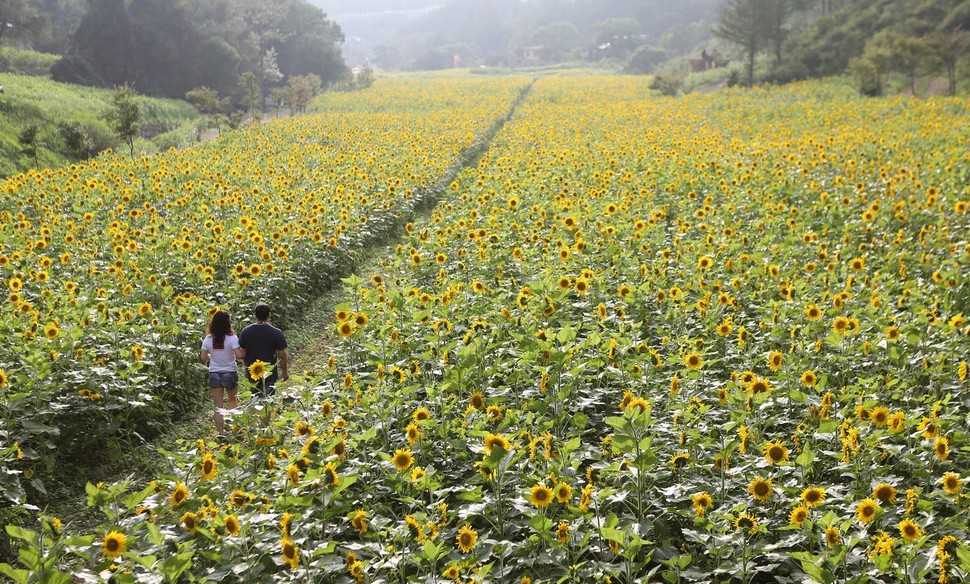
(226, 379)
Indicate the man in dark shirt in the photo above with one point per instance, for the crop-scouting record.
(264, 342)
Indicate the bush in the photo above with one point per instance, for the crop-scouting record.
(644, 60)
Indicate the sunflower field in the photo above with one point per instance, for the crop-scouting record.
(718, 338)
(110, 269)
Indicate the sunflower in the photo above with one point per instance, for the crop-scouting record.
(775, 360)
(564, 492)
(693, 361)
(809, 379)
(540, 495)
(477, 400)
(412, 433)
(51, 331)
(302, 429)
(179, 495)
(813, 496)
(114, 544)
(232, 525)
(291, 553)
(761, 489)
(581, 286)
(240, 498)
(330, 473)
(209, 469)
(189, 521)
(258, 370)
(798, 515)
(702, 502)
(745, 522)
(493, 440)
(833, 536)
(359, 521)
(402, 459)
(866, 511)
(759, 385)
(421, 414)
(879, 416)
(884, 493)
(293, 474)
(452, 573)
(345, 328)
(704, 263)
(776, 452)
(951, 483)
(909, 530)
(840, 325)
(466, 539)
(897, 421)
(941, 447)
(562, 532)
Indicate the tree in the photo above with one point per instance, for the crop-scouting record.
(76, 139)
(775, 18)
(280, 97)
(19, 15)
(252, 96)
(644, 60)
(29, 138)
(209, 104)
(387, 57)
(103, 48)
(559, 39)
(618, 36)
(125, 115)
(742, 23)
(949, 47)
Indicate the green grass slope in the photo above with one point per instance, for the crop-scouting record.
(53, 106)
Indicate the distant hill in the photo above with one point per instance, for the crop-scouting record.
(428, 34)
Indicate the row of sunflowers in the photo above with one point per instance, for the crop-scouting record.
(111, 268)
(719, 338)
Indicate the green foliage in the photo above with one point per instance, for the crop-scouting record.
(125, 117)
(167, 47)
(21, 62)
(70, 127)
(644, 60)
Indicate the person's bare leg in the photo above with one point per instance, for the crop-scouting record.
(217, 400)
(232, 401)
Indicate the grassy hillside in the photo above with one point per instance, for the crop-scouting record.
(56, 106)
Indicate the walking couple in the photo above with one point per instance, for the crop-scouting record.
(258, 342)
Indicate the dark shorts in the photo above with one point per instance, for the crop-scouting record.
(226, 379)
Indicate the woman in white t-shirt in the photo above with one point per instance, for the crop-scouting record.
(220, 349)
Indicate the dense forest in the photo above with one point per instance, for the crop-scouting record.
(168, 47)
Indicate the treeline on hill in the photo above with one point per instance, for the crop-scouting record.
(870, 39)
(169, 47)
(539, 32)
